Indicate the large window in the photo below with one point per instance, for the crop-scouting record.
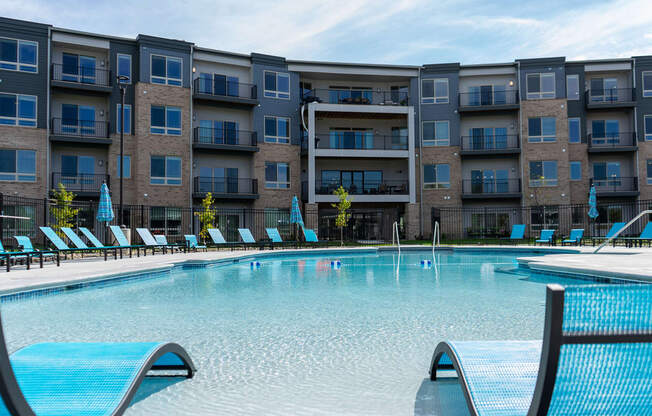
(277, 129)
(126, 170)
(575, 171)
(487, 138)
(605, 131)
(165, 170)
(541, 86)
(124, 67)
(573, 87)
(18, 165)
(604, 89)
(543, 173)
(648, 127)
(355, 182)
(165, 120)
(277, 85)
(649, 171)
(219, 132)
(18, 55)
(17, 110)
(79, 68)
(166, 70)
(127, 129)
(436, 176)
(434, 91)
(574, 130)
(277, 175)
(218, 84)
(647, 83)
(541, 129)
(606, 174)
(436, 133)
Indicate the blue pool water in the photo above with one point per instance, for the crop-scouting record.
(296, 336)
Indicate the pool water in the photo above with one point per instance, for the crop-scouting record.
(297, 336)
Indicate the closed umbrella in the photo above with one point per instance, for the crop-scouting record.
(593, 207)
(295, 213)
(105, 208)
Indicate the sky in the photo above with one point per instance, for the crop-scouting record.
(406, 32)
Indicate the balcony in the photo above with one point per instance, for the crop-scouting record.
(82, 184)
(491, 188)
(82, 78)
(610, 98)
(488, 146)
(612, 142)
(229, 92)
(79, 131)
(211, 139)
(488, 101)
(616, 186)
(225, 188)
(364, 192)
(357, 96)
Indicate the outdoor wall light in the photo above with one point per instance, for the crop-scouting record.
(101, 113)
(100, 163)
(145, 195)
(194, 69)
(511, 83)
(531, 195)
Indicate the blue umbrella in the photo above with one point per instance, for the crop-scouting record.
(593, 204)
(105, 209)
(295, 214)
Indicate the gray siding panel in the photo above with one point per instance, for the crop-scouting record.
(129, 48)
(643, 104)
(436, 112)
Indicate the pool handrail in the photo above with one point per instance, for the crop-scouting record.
(621, 229)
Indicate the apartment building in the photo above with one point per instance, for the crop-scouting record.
(255, 130)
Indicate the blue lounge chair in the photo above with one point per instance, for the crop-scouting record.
(82, 378)
(646, 236)
(575, 237)
(9, 257)
(26, 247)
(249, 239)
(517, 235)
(64, 248)
(276, 239)
(219, 240)
(612, 232)
(150, 241)
(594, 358)
(546, 237)
(191, 241)
(310, 235)
(91, 238)
(163, 241)
(122, 241)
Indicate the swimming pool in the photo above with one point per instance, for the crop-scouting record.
(297, 336)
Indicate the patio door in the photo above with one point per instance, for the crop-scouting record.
(77, 171)
(78, 119)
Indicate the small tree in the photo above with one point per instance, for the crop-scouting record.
(206, 216)
(62, 210)
(343, 214)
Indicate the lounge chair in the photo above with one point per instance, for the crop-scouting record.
(27, 248)
(219, 240)
(91, 238)
(646, 236)
(62, 247)
(150, 241)
(82, 378)
(249, 239)
(546, 237)
(517, 235)
(122, 241)
(191, 242)
(9, 257)
(310, 235)
(594, 358)
(575, 237)
(275, 238)
(162, 240)
(79, 243)
(612, 231)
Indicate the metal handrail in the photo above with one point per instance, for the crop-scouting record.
(395, 232)
(608, 240)
(435, 237)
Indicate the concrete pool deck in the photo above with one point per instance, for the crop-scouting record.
(619, 262)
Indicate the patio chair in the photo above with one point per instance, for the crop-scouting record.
(575, 237)
(594, 358)
(162, 240)
(275, 238)
(546, 237)
(91, 238)
(83, 378)
(646, 236)
(310, 236)
(62, 247)
(9, 257)
(617, 226)
(79, 243)
(517, 235)
(26, 247)
(249, 239)
(122, 241)
(219, 240)
(150, 241)
(191, 242)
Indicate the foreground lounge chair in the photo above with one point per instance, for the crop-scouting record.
(517, 235)
(575, 237)
(612, 231)
(82, 378)
(64, 248)
(191, 242)
(594, 358)
(249, 239)
(546, 237)
(646, 236)
(27, 248)
(9, 257)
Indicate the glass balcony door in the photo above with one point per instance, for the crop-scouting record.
(77, 170)
(78, 119)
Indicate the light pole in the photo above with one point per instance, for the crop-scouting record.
(122, 79)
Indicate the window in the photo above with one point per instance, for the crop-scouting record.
(575, 171)
(350, 95)
(574, 130)
(126, 171)
(357, 138)
(541, 129)
(165, 120)
(543, 173)
(277, 85)
(220, 181)
(485, 95)
(647, 83)
(573, 87)
(434, 91)
(647, 120)
(356, 182)
(606, 174)
(165, 220)
(436, 176)
(124, 67)
(78, 68)
(489, 181)
(540, 86)
(16, 109)
(544, 218)
(277, 129)
(487, 138)
(604, 90)
(166, 70)
(18, 165)
(649, 171)
(219, 132)
(165, 170)
(18, 55)
(605, 132)
(127, 118)
(277, 175)
(436, 133)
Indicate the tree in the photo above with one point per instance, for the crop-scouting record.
(62, 210)
(206, 216)
(343, 214)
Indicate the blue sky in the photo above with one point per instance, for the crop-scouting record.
(411, 32)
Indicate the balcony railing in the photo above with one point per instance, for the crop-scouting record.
(220, 186)
(82, 75)
(227, 89)
(208, 135)
(360, 140)
(481, 99)
(491, 186)
(610, 96)
(363, 188)
(615, 184)
(79, 128)
(358, 96)
(86, 183)
(490, 143)
(612, 140)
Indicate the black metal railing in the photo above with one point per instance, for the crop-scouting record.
(226, 88)
(209, 135)
(609, 96)
(79, 128)
(489, 143)
(236, 186)
(488, 98)
(358, 96)
(80, 182)
(615, 184)
(491, 186)
(360, 140)
(82, 75)
(607, 140)
(399, 187)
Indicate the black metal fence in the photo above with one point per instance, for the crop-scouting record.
(373, 225)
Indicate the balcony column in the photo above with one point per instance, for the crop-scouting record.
(411, 156)
(311, 153)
